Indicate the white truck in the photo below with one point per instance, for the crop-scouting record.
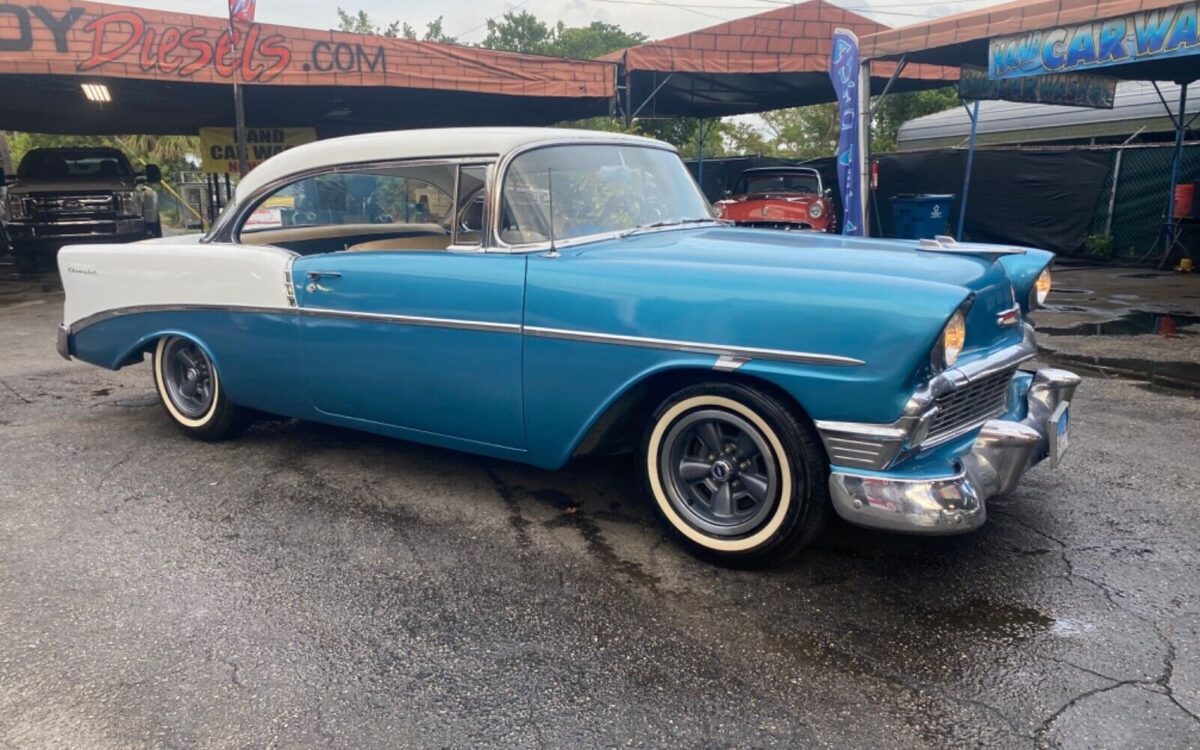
(62, 196)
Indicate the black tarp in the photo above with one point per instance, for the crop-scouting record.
(1040, 199)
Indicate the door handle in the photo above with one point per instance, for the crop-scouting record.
(314, 279)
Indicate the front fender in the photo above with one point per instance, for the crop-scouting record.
(1023, 270)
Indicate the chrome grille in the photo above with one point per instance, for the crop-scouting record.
(74, 204)
(969, 406)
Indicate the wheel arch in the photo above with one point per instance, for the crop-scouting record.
(618, 424)
(137, 351)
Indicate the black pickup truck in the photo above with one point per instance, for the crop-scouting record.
(61, 196)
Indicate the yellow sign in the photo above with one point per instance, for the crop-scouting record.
(218, 146)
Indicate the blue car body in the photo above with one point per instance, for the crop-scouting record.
(536, 356)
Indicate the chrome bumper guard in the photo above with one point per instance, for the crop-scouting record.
(63, 344)
(1001, 454)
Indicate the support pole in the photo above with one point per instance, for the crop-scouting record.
(700, 157)
(966, 191)
(864, 144)
(1169, 226)
(1112, 195)
(239, 108)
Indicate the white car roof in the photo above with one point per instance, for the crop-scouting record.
(416, 144)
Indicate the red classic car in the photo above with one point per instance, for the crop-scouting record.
(779, 198)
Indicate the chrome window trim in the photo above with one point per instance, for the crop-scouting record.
(506, 161)
(225, 230)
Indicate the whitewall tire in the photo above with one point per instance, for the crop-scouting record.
(735, 473)
(189, 388)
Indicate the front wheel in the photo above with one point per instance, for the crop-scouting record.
(735, 474)
(190, 390)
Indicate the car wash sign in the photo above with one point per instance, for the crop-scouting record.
(1066, 89)
(219, 153)
(1137, 37)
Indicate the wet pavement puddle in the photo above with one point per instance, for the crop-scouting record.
(1134, 323)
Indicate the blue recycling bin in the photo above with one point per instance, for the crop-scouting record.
(920, 216)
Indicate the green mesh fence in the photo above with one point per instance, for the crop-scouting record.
(1142, 185)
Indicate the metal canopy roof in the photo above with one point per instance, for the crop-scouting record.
(171, 73)
(767, 61)
(1136, 107)
(963, 38)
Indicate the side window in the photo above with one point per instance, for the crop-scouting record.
(468, 230)
(394, 208)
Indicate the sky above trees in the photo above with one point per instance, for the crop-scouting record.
(466, 19)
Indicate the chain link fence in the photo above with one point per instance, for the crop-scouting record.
(1127, 224)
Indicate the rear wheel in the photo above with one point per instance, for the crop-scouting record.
(735, 474)
(190, 390)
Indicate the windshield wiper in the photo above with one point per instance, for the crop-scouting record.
(666, 223)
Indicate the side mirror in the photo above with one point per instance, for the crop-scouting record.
(827, 192)
(153, 174)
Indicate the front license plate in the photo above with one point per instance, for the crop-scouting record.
(1058, 426)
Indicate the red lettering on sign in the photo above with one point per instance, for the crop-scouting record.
(193, 40)
(275, 47)
(145, 58)
(167, 62)
(99, 28)
(185, 52)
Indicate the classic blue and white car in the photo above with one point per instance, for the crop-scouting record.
(536, 295)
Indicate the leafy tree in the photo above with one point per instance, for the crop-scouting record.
(895, 109)
(591, 41)
(518, 32)
(171, 152)
(361, 23)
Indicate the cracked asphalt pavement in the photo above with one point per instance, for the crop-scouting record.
(306, 586)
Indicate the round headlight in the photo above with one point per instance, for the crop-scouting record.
(815, 211)
(954, 335)
(1041, 289)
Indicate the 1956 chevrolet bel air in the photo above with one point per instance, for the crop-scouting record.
(536, 295)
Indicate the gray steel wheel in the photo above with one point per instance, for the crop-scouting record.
(719, 472)
(188, 376)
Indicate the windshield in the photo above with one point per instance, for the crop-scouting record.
(779, 182)
(59, 165)
(597, 189)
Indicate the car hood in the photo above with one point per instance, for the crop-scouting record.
(807, 252)
(69, 186)
(773, 196)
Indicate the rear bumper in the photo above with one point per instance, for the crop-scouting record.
(926, 500)
(63, 343)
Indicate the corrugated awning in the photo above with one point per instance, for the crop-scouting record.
(767, 61)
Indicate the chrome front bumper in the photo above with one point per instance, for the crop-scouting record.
(954, 502)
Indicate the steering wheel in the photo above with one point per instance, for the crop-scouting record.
(622, 209)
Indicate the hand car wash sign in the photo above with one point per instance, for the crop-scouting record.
(1147, 35)
(218, 146)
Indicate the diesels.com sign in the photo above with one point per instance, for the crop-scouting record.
(81, 38)
(1137, 37)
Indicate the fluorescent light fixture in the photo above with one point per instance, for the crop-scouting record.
(96, 92)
